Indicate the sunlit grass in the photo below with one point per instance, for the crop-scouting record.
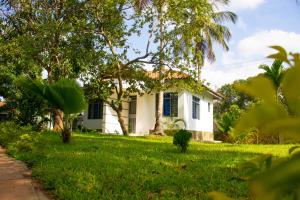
(116, 167)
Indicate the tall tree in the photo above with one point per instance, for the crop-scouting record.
(46, 35)
(116, 73)
(187, 30)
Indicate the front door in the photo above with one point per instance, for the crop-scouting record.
(132, 114)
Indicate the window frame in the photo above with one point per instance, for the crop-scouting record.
(196, 107)
(92, 114)
(172, 97)
(132, 105)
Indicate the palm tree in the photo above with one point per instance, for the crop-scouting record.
(65, 95)
(211, 30)
(139, 5)
(274, 72)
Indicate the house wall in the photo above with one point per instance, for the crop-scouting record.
(205, 123)
(110, 122)
(145, 116)
(181, 105)
(91, 123)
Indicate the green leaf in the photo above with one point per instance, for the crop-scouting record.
(292, 149)
(259, 87)
(290, 90)
(273, 183)
(280, 55)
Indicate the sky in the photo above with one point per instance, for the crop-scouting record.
(261, 23)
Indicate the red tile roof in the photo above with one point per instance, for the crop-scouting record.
(2, 104)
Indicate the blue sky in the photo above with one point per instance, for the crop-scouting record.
(261, 23)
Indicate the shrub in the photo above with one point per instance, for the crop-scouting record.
(9, 132)
(181, 139)
(227, 121)
(17, 138)
(25, 143)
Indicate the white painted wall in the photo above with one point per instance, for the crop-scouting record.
(145, 116)
(109, 122)
(205, 123)
(91, 123)
(110, 119)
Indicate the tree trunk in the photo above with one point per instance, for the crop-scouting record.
(58, 115)
(58, 121)
(66, 135)
(158, 129)
(122, 122)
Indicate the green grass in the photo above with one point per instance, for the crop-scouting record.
(115, 167)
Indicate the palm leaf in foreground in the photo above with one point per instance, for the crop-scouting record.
(65, 95)
(272, 116)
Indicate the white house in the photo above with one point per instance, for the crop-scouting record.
(139, 113)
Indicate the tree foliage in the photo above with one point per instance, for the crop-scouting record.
(93, 40)
(232, 96)
(117, 70)
(185, 31)
(51, 36)
(46, 35)
(229, 118)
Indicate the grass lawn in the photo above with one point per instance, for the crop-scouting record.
(115, 167)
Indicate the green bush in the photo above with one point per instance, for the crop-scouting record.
(17, 138)
(25, 143)
(227, 122)
(181, 139)
(9, 133)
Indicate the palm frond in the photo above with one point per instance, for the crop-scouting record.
(140, 5)
(65, 95)
(225, 16)
(68, 96)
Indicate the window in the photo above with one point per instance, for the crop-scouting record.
(131, 125)
(196, 108)
(170, 104)
(95, 110)
(132, 105)
(208, 107)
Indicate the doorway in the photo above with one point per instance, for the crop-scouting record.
(132, 114)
